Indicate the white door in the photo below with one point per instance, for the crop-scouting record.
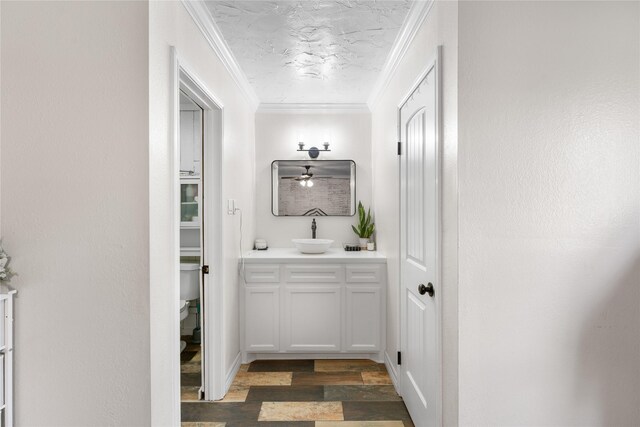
(419, 240)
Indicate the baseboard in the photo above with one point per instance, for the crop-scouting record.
(393, 372)
(250, 357)
(232, 373)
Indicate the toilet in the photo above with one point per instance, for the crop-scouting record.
(184, 309)
(189, 290)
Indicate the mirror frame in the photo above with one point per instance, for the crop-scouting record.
(312, 161)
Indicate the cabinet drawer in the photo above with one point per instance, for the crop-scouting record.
(317, 273)
(358, 273)
(262, 273)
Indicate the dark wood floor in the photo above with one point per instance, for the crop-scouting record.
(312, 393)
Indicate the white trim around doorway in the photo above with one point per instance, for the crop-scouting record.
(185, 79)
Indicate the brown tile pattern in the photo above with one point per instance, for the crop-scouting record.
(192, 379)
(359, 424)
(273, 424)
(221, 411)
(304, 393)
(190, 368)
(375, 411)
(281, 366)
(361, 393)
(376, 378)
(202, 424)
(187, 355)
(190, 373)
(236, 394)
(297, 393)
(358, 365)
(301, 411)
(189, 394)
(262, 378)
(326, 378)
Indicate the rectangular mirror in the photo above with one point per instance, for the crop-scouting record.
(313, 187)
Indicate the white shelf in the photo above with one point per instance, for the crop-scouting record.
(188, 225)
(190, 251)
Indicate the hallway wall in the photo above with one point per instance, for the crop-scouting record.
(75, 209)
(171, 25)
(549, 108)
(276, 136)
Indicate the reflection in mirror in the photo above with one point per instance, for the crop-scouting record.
(313, 187)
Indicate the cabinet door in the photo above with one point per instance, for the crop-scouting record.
(364, 319)
(189, 203)
(261, 318)
(2, 384)
(311, 318)
(190, 140)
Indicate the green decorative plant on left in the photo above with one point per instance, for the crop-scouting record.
(5, 271)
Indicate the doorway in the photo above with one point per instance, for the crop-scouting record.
(420, 255)
(192, 248)
(197, 188)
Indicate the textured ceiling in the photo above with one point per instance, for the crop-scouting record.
(313, 51)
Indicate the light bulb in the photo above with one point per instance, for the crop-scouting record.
(303, 183)
(309, 183)
(326, 138)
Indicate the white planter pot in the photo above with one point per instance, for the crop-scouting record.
(363, 243)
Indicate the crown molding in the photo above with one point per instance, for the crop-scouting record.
(209, 29)
(416, 16)
(308, 108)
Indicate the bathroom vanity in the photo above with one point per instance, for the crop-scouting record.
(6, 358)
(329, 305)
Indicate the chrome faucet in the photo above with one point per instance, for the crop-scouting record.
(314, 227)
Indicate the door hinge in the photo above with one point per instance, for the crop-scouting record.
(399, 148)
(205, 269)
(399, 358)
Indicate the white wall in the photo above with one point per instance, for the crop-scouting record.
(276, 139)
(549, 213)
(170, 24)
(439, 28)
(75, 209)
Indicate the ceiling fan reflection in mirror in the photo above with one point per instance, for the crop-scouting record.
(305, 178)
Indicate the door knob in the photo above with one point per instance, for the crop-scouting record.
(422, 289)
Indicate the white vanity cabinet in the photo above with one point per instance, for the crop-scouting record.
(313, 306)
(6, 358)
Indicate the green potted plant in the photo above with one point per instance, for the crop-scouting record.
(365, 226)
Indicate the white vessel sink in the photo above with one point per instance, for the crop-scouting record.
(312, 246)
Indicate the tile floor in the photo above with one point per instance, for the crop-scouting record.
(190, 366)
(311, 393)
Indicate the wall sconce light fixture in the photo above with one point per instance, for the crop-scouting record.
(314, 152)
